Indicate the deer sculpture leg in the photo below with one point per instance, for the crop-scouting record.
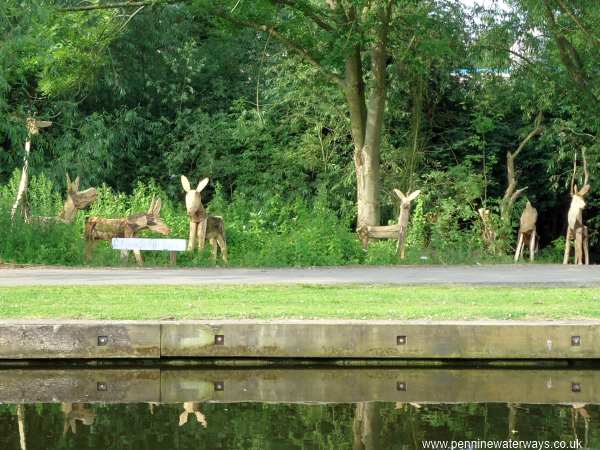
(532, 241)
(578, 258)
(363, 235)
(137, 253)
(213, 248)
(223, 246)
(192, 237)
(201, 234)
(567, 246)
(401, 242)
(586, 249)
(519, 250)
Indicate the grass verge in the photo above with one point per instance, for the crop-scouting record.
(302, 302)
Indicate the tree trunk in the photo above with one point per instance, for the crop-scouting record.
(21, 200)
(21, 420)
(367, 122)
(366, 427)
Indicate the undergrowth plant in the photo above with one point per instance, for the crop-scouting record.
(260, 233)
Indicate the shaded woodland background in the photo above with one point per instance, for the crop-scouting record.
(139, 97)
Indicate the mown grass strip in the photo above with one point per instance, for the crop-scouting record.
(303, 302)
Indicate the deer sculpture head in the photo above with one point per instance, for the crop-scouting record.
(193, 199)
(192, 408)
(33, 126)
(575, 214)
(76, 200)
(149, 221)
(405, 201)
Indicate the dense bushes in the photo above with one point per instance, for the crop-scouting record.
(273, 232)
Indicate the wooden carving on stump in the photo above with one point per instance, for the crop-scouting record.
(75, 201)
(33, 128)
(527, 232)
(397, 231)
(203, 226)
(101, 229)
(575, 226)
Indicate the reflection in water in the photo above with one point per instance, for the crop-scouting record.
(194, 409)
(74, 412)
(21, 419)
(365, 425)
(156, 408)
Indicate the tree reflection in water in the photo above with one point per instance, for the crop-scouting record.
(264, 426)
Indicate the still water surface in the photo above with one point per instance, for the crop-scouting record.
(68, 409)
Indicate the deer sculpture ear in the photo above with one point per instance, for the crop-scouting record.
(183, 418)
(185, 183)
(77, 183)
(151, 207)
(413, 195)
(584, 190)
(68, 179)
(399, 193)
(202, 185)
(156, 207)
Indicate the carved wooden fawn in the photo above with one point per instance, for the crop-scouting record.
(527, 232)
(397, 231)
(33, 128)
(575, 226)
(75, 201)
(202, 225)
(101, 229)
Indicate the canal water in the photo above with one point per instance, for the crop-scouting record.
(286, 408)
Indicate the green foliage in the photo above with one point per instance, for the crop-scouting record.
(138, 101)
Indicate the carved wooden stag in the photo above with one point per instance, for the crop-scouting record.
(75, 201)
(397, 231)
(203, 226)
(101, 229)
(575, 226)
(527, 232)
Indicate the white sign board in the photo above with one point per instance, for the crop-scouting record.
(173, 245)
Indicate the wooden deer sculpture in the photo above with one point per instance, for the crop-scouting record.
(75, 201)
(76, 412)
(575, 226)
(488, 232)
(527, 232)
(203, 226)
(192, 408)
(33, 128)
(397, 231)
(101, 229)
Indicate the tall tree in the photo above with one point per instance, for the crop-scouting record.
(349, 42)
